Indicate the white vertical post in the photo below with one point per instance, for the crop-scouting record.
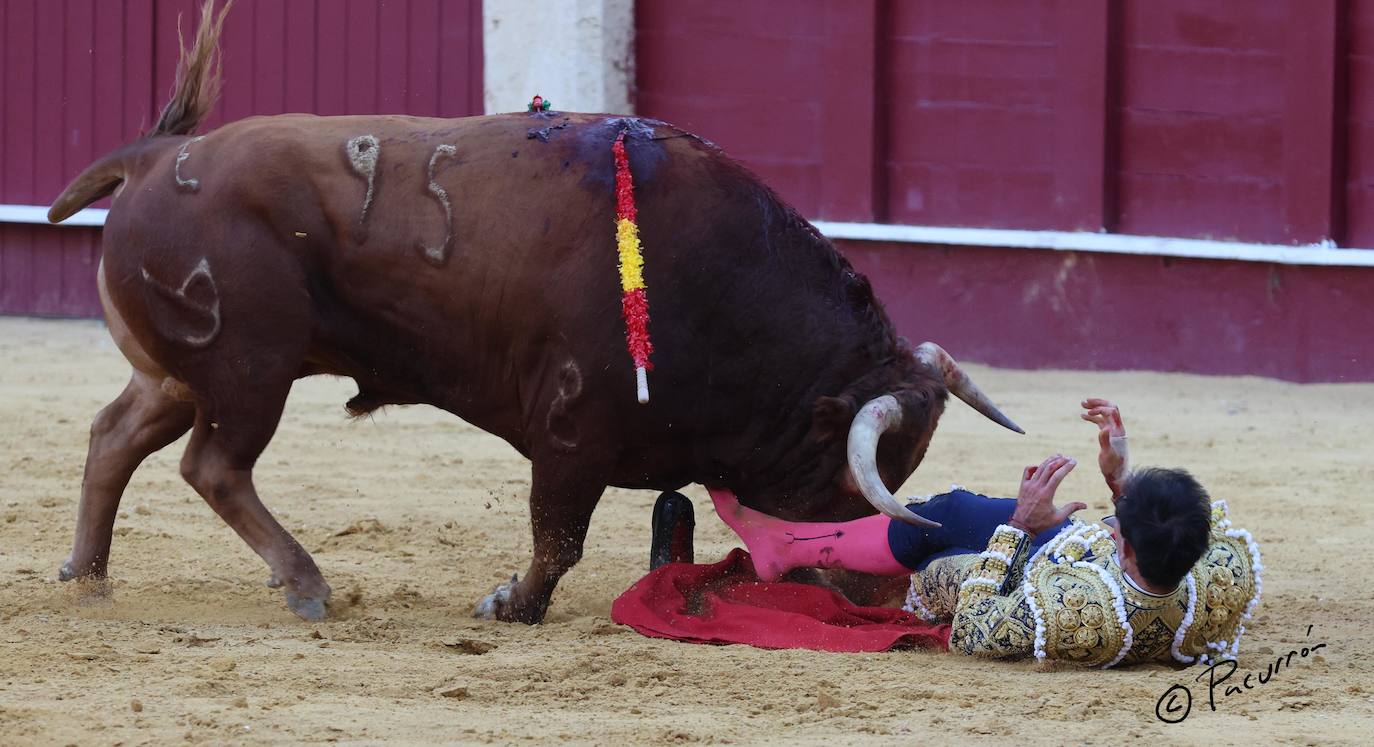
(578, 54)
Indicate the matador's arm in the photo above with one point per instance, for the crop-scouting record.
(990, 618)
(993, 617)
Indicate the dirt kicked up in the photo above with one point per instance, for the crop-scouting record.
(413, 515)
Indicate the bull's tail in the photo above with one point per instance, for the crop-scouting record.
(196, 91)
(198, 75)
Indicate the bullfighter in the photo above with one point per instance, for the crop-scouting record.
(1166, 578)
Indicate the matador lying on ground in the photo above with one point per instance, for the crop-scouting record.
(1166, 578)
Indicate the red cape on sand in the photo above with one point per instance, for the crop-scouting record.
(726, 603)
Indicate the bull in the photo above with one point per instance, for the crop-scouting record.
(468, 264)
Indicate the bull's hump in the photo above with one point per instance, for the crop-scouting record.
(585, 135)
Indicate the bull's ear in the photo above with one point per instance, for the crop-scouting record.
(831, 418)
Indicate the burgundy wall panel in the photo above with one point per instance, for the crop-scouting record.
(1046, 309)
(48, 272)
(744, 75)
(1359, 88)
(80, 77)
(1222, 119)
(970, 113)
(420, 57)
(67, 98)
(1201, 118)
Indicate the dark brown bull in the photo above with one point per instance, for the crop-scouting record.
(469, 264)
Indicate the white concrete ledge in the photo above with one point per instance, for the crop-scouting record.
(39, 214)
(1110, 243)
(1063, 241)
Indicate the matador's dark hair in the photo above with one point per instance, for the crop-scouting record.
(1166, 516)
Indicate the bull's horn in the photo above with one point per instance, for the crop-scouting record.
(960, 385)
(876, 418)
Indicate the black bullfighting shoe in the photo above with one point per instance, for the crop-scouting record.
(674, 524)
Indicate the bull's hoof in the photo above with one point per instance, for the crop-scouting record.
(308, 608)
(273, 582)
(71, 572)
(497, 605)
(92, 587)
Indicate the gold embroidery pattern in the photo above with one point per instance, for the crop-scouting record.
(987, 621)
(1006, 550)
(998, 627)
(938, 584)
(1154, 621)
(1225, 581)
(1077, 608)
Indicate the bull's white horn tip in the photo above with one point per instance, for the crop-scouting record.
(642, 384)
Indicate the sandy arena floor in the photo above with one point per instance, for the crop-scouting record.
(414, 515)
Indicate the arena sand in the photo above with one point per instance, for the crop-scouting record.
(413, 515)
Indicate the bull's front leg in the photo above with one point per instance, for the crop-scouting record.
(563, 493)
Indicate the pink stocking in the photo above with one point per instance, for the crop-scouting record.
(778, 546)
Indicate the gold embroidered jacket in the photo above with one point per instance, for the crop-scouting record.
(1071, 601)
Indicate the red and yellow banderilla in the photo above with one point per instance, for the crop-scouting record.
(634, 303)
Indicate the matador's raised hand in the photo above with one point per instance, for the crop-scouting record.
(1114, 457)
(1035, 510)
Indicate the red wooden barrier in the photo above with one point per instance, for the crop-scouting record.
(1358, 122)
(80, 77)
(1220, 119)
(1070, 310)
(75, 84)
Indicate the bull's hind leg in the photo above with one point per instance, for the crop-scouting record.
(219, 464)
(563, 494)
(137, 423)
